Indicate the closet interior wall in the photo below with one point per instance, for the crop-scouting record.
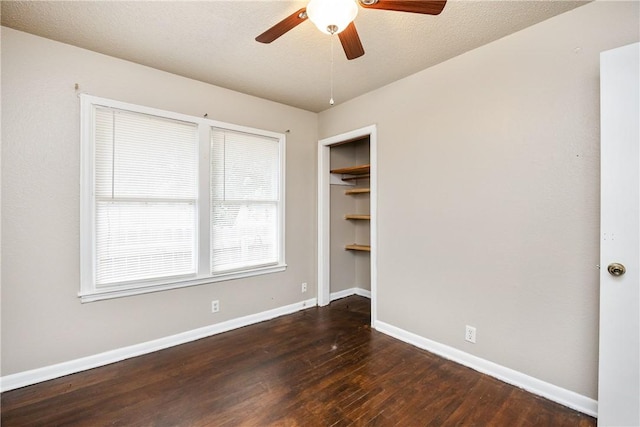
(349, 269)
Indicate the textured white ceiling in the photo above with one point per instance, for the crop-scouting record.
(213, 41)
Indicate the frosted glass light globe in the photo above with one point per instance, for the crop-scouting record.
(332, 16)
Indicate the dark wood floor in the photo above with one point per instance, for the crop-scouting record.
(319, 367)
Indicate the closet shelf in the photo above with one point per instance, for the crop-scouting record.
(355, 247)
(357, 191)
(357, 216)
(354, 177)
(353, 170)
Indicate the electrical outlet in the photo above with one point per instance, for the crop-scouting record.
(470, 334)
(304, 287)
(215, 306)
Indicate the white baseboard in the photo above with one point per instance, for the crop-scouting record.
(348, 292)
(22, 379)
(552, 392)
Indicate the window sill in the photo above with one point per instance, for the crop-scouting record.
(121, 291)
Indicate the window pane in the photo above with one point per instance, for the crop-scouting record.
(144, 156)
(244, 167)
(137, 241)
(243, 235)
(245, 177)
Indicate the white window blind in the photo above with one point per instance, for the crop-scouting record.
(245, 196)
(145, 195)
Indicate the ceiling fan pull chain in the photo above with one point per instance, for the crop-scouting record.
(333, 36)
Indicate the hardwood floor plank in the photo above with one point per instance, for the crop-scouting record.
(319, 367)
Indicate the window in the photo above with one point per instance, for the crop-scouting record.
(170, 200)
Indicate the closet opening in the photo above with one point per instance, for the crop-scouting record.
(346, 220)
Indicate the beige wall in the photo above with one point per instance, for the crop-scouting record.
(43, 321)
(488, 195)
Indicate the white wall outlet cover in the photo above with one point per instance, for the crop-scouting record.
(470, 334)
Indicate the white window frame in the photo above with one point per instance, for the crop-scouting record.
(88, 289)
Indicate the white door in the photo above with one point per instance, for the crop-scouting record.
(619, 370)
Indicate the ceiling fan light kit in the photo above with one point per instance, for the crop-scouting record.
(332, 16)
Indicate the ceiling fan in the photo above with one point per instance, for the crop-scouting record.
(336, 17)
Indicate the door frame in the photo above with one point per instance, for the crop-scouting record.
(324, 209)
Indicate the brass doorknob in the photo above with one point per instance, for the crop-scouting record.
(616, 269)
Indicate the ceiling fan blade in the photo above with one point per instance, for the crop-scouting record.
(428, 7)
(288, 23)
(351, 42)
